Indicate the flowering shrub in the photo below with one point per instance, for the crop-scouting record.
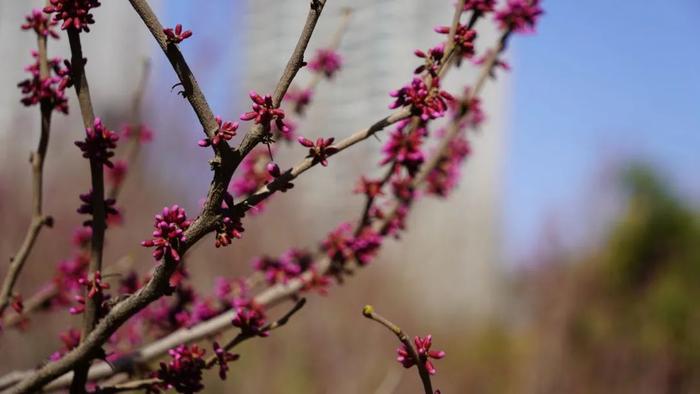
(162, 311)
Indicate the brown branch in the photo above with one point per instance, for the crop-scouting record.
(368, 312)
(205, 223)
(99, 223)
(36, 160)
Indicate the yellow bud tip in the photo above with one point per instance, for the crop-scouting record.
(368, 310)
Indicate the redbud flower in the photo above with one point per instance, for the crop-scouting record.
(254, 173)
(225, 132)
(250, 317)
(48, 90)
(280, 270)
(74, 13)
(326, 61)
(141, 131)
(338, 243)
(498, 64)
(94, 286)
(464, 38)
(230, 226)
(300, 98)
(184, 371)
(445, 176)
(422, 347)
(432, 59)
(366, 245)
(273, 169)
(482, 6)
(402, 188)
(404, 148)
(264, 113)
(176, 36)
(223, 358)
(17, 304)
(170, 232)
(320, 150)
(318, 282)
(41, 25)
(70, 339)
(520, 16)
(370, 188)
(98, 144)
(427, 102)
(117, 173)
(86, 208)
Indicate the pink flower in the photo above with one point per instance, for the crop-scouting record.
(432, 59)
(50, 90)
(141, 131)
(338, 243)
(520, 16)
(320, 150)
(74, 13)
(184, 371)
(292, 264)
(445, 176)
(404, 148)
(264, 113)
(426, 102)
(94, 285)
(498, 64)
(422, 347)
(41, 25)
(366, 245)
(86, 208)
(250, 317)
(117, 173)
(99, 143)
(482, 6)
(223, 358)
(370, 188)
(82, 236)
(176, 36)
(254, 173)
(326, 61)
(230, 226)
(169, 234)
(300, 98)
(226, 131)
(464, 38)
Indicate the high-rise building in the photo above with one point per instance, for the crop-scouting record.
(453, 244)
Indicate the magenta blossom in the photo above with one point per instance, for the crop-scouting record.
(254, 173)
(426, 102)
(74, 13)
(370, 188)
(366, 245)
(326, 61)
(404, 148)
(433, 59)
(169, 234)
(86, 208)
(264, 113)
(222, 359)
(176, 36)
(230, 226)
(142, 132)
(49, 90)
(422, 347)
(520, 16)
(117, 173)
(482, 6)
(250, 317)
(320, 150)
(99, 143)
(41, 25)
(444, 177)
(225, 132)
(300, 99)
(464, 38)
(184, 371)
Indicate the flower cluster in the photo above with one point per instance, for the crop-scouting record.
(49, 90)
(404, 148)
(99, 143)
(432, 59)
(341, 245)
(222, 359)
(519, 16)
(74, 13)
(184, 371)
(250, 317)
(70, 339)
(141, 132)
(370, 188)
(176, 36)
(264, 113)
(87, 208)
(279, 270)
(320, 150)
(225, 132)
(422, 347)
(254, 173)
(230, 226)
(444, 177)
(300, 99)
(169, 234)
(482, 6)
(117, 173)
(41, 25)
(326, 61)
(464, 38)
(428, 102)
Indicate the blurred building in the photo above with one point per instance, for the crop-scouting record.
(451, 250)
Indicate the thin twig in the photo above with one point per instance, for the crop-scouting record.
(368, 312)
(36, 160)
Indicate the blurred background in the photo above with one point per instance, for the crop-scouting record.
(567, 261)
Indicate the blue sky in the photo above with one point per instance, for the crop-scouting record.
(602, 81)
